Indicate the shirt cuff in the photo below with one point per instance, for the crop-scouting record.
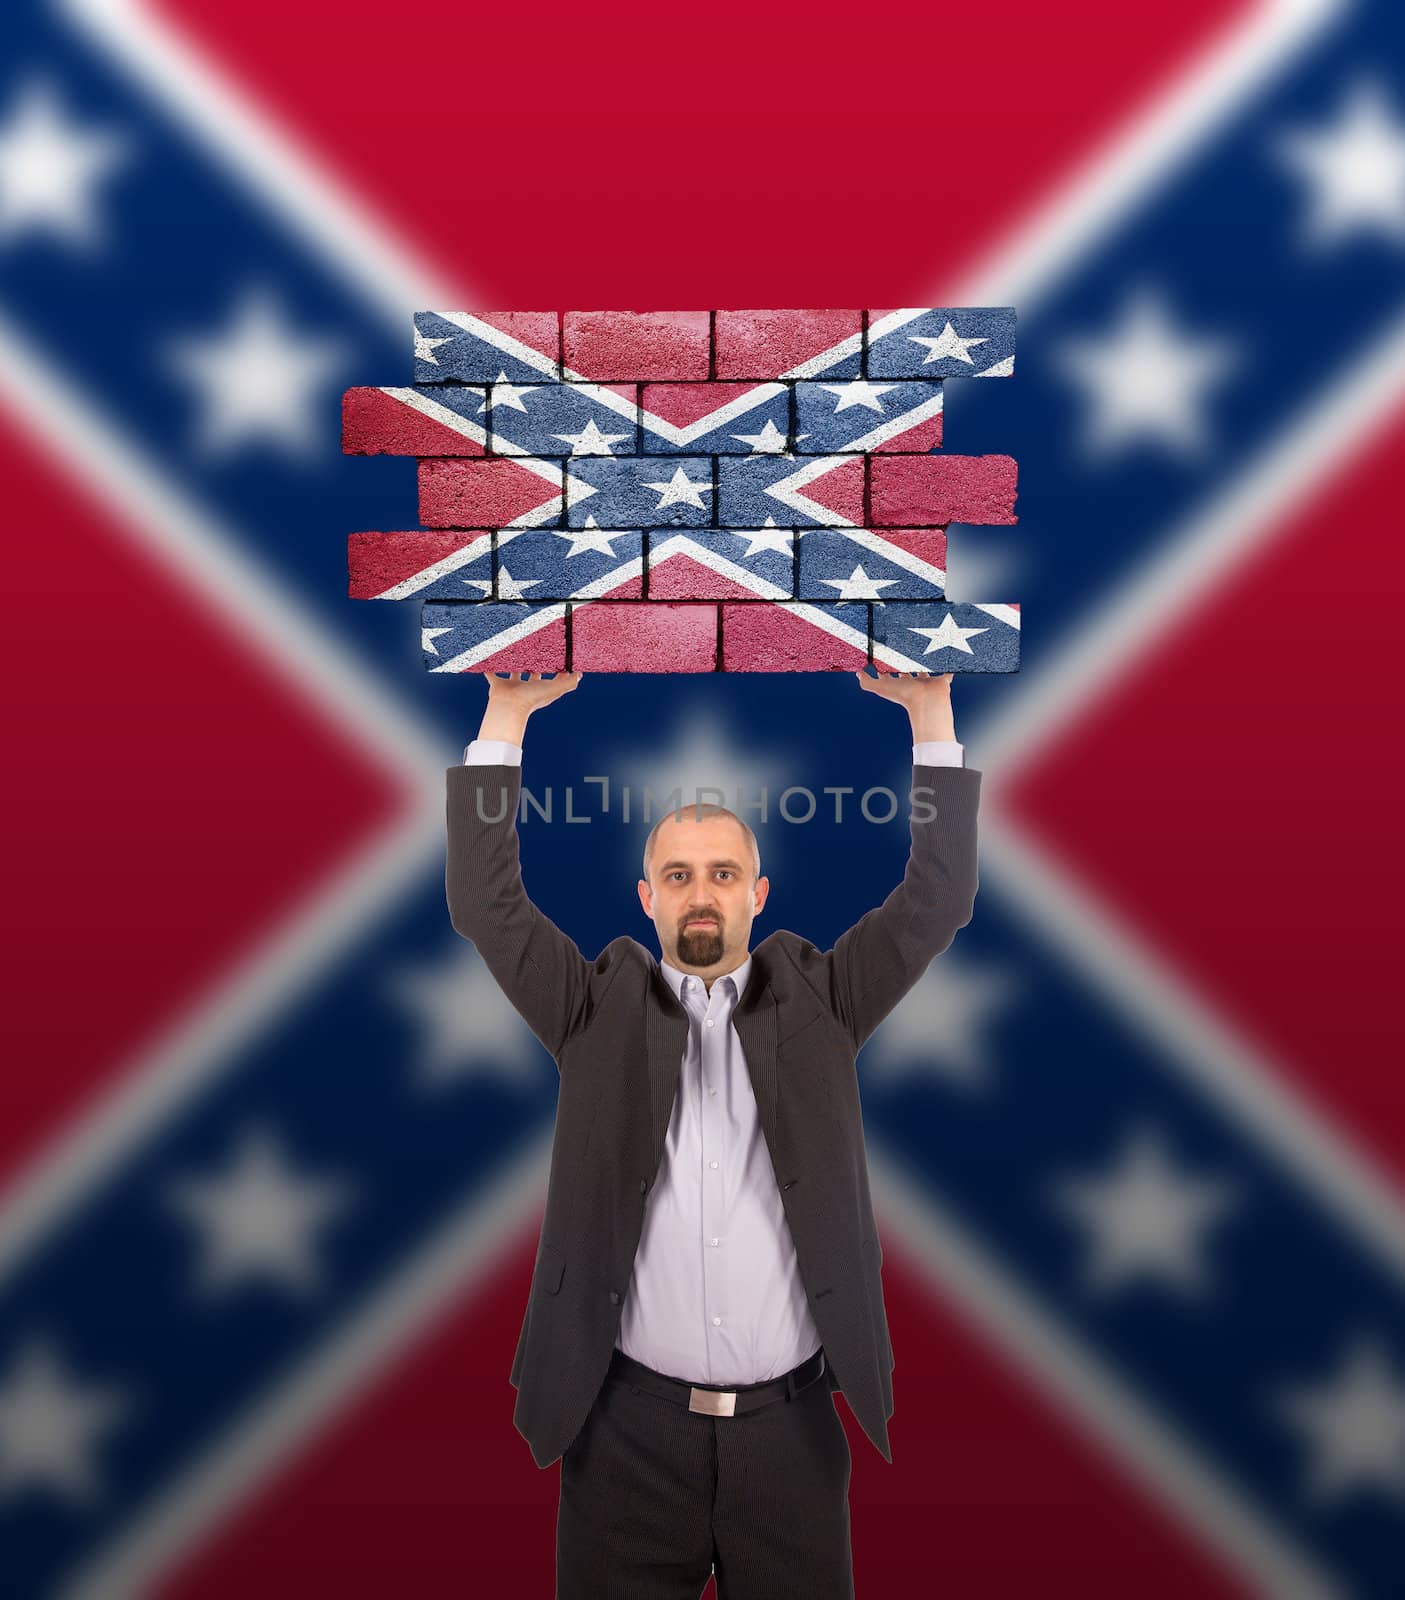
(938, 753)
(492, 752)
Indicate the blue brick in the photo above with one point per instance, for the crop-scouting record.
(981, 342)
(495, 636)
(788, 491)
(618, 492)
(469, 349)
(569, 564)
(858, 564)
(563, 419)
(831, 417)
(983, 638)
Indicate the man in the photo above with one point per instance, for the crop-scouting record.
(708, 1271)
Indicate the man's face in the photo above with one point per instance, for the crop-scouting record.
(702, 898)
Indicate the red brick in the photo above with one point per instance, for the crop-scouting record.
(642, 345)
(931, 491)
(380, 422)
(641, 636)
(483, 494)
(786, 636)
(766, 344)
(378, 563)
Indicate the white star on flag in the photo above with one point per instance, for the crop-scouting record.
(1145, 1219)
(1356, 170)
(259, 380)
(50, 1425)
(260, 1219)
(859, 392)
(467, 1027)
(49, 169)
(942, 1026)
(1147, 380)
(590, 441)
(680, 490)
(1355, 1425)
(948, 343)
(950, 636)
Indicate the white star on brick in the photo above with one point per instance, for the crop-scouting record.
(429, 635)
(49, 168)
(590, 441)
(859, 586)
(949, 636)
(859, 392)
(1144, 1219)
(1354, 1424)
(770, 441)
(1147, 380)
(948, 344)
(260, 1220)
(259, 380)
(507, 394)
(680, 490)
(1355, 170)
(592, 537)
(768, 537)
(510, 588)
(425, 348)
(50, 1427)
(467, 1028)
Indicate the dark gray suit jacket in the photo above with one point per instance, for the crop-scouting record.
(617, 1033)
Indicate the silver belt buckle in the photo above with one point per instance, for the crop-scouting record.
(713, 1402)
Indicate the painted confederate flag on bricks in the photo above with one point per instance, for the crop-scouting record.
(688, 491)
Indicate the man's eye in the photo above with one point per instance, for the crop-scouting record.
(726, 873)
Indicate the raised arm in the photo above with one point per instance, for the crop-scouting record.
(877, 961)
(538, 967)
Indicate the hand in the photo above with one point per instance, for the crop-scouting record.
(927, 697)
(531, 690)
(511, 700)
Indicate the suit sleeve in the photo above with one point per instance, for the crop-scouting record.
(538, 967)
(877, 961)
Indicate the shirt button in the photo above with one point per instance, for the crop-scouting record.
(711, 1022)
(714, 1241)
(712, 1163)
(712, 1091)
(717, 1322)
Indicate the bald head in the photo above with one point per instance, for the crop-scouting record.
(691, 816)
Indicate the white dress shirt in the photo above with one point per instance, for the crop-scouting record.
(716, 1295)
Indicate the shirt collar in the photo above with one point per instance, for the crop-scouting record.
(675, 978)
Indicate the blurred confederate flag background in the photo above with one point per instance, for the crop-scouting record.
(272, 1149)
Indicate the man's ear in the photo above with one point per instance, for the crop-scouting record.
(646, 895)
(763, 888)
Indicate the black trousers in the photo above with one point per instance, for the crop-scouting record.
(654, 1496)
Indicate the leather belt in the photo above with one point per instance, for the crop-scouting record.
(712, 1399)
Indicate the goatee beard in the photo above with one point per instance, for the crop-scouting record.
(700, 947)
